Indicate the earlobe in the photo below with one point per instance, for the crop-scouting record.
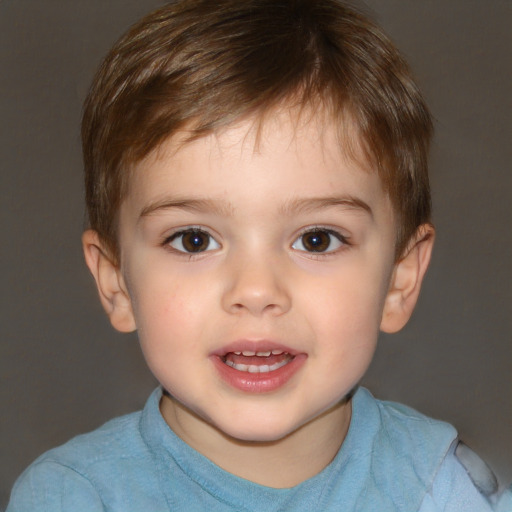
(109, 281)
(406, 280)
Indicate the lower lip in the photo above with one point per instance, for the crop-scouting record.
(259, 382)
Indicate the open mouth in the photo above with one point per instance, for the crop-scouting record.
(257, 362)
(257, 367)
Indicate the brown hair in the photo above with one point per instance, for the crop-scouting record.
(205, 64)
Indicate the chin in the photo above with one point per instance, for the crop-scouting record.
(250, 431)
(258, 436)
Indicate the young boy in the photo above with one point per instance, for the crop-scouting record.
(257, 188)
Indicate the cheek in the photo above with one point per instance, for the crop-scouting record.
(353, 300)
(169, 329)
(163, 311)
(346, 315)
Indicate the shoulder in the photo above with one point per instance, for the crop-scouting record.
(421, 462)
(403, 450)
(118, 438)
(81, 473)
(403, 432)
(49, 486)
(402, 419)
(465, 482)
(399, 450)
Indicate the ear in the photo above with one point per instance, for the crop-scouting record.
(109, 280)
(406, 280)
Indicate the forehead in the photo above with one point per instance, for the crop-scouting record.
(289, 126)
(306, 149)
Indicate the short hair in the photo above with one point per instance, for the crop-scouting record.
(204, 64)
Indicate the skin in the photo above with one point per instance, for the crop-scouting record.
(257, 282)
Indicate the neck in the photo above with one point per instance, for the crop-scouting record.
(283, 463)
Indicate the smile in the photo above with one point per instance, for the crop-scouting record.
(257, 367)
(257, 362)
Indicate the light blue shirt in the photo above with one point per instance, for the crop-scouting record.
(392, 459)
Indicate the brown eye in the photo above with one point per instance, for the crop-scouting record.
(319, 240)
(193, 241)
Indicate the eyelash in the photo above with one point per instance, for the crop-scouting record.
(209, 239)
(198, 232)
(338, 238)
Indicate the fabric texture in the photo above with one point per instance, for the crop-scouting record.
(393, 459)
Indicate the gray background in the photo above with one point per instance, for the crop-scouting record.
(63, 369)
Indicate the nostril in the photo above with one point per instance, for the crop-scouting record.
(239, 308)
(255, 289)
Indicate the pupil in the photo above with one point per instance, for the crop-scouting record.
(195, 242)
(317, 242)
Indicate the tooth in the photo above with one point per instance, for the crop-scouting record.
(277, 365)
(248, 353)
(237, 353)
(277, 352)
(263, 354)
(254, 368)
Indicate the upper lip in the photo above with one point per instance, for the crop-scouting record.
(256, 346)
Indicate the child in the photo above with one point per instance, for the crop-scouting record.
(257, 188)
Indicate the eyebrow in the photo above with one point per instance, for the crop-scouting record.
(317, 203)
(196, 205)
(293, 206)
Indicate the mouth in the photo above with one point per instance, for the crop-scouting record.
(257, 362)
(257, 367)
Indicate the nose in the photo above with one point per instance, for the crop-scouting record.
(255, 285)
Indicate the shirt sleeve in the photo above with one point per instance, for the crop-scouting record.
(52, 487)
(464, 482)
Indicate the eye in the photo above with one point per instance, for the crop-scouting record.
(319, 240)
(192, 241)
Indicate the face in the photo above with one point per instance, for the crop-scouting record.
(257, 275)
